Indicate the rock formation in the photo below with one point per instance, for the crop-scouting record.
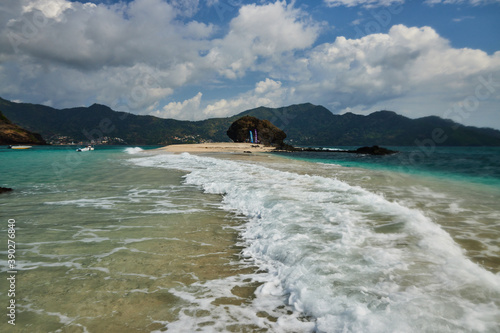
(11, 134)
(5, 189)
(267, 133)
(374, 150)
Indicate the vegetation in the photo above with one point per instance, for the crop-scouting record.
(304, 124)
(266, 133)
(11, 134)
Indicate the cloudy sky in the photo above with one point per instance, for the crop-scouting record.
(194, 59)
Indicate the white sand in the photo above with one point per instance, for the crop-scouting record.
(218, 147)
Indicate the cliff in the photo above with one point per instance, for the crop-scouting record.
(11, 134)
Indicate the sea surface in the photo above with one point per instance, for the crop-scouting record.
(129, 239)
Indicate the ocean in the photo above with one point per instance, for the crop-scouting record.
(128, 239)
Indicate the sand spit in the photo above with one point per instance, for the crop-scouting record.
(218, 147)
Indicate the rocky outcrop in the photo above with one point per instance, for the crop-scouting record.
(373, 150)
(11, 134)
(267, 133)
(5, 189)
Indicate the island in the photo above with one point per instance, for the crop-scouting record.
(252, 135)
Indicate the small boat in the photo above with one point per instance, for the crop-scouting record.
(20, 147)
(88, 148)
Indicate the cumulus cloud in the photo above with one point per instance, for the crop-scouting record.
(407, 62)
(77, 53)
(50, 8)
(186, 110)
(268, 93)
(134, 56)
(261, 33)
(101, 51)
(266, 86)
(265, 93)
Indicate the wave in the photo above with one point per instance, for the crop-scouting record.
(133, 150)
(347, 258)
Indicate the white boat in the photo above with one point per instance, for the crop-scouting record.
(88, 148)
(20, 147)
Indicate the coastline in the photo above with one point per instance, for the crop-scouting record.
(282, 202)
(218, 147)
(173, 239)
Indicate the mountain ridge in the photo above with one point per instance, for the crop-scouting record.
(304, 124)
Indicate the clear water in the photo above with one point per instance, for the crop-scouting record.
(126, 240)
(472, 164)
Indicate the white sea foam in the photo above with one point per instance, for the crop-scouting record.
(133, 150)
(103, 203)
(321, 242)
(173, 211)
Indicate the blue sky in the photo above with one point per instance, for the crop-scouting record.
(191, 59)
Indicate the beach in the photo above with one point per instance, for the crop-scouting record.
(149, 240)
(217, 147)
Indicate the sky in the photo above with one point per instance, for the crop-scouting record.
(194, 59)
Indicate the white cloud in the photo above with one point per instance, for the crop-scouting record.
(364, 3)
(74, 53)
(463, 18)
(186, 8)
(266, 86)
(268, 93)
(186, 110)
(261, 33)
(50, 8)
(133, 56)
(406, 64)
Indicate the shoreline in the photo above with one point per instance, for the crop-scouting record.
(218, 147)
(246, 147)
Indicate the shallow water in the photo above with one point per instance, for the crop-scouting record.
(129, 240)
(100, 247)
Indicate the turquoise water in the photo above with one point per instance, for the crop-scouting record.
(135, 240)
(100, 243)
(470, 164)
(50, 165)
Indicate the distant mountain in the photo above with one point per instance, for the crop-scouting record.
(99, 122)
(304, 124)
(308, 124)
(11, 134)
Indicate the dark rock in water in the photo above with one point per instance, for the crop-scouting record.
(267, 133)
(374, 150)
(5, 189)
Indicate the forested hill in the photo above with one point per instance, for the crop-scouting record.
(308, 124)
(99, 121)
(304, 124)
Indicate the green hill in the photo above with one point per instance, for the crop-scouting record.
(308, 124)
(304, 124)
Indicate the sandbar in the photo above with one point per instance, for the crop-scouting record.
(218, 147)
